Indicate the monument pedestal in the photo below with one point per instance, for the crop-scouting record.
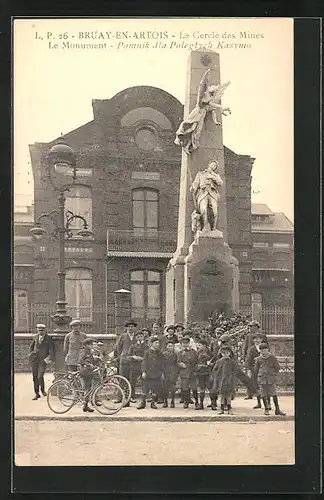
(210, 278)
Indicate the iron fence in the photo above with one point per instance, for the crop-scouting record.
(275, 320)
(141, 241)
(102, 319)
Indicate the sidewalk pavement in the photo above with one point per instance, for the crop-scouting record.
(27, 409)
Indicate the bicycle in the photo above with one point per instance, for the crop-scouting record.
(107, 398)
(114, 378)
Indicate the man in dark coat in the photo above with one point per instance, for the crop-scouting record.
(122, 347)
(136, 355)
(153, 369)
(41, 352)
(253, 328)
(266, 369)
(254, 352)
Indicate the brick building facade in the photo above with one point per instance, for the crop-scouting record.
(128, 190)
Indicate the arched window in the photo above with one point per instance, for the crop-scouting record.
(78, 284)
(145, 210)
(79, 201)
(20, 310)
(146, 288)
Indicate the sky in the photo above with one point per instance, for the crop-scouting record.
(54, 85)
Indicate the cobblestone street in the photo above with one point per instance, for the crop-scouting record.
(51, 443)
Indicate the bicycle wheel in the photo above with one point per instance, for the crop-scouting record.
(108, 398)
(61, 396)
(123, 383)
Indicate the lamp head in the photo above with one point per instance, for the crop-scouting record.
(38, 231)
(85, 233)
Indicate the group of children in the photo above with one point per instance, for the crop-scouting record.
(213, 359)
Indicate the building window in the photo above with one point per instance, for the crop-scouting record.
(146, 295)
(79, 201)
(20, 310)
(145, 210)
(281, 245)
(260, 244)
(79, 293)
(145, 139)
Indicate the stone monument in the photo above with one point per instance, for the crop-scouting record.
(202, 276)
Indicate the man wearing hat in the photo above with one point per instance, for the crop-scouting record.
(253, 328)
(72, 345)
(41, 352)
(122, 348)
(136, 354)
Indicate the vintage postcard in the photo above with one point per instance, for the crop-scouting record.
(153, 242)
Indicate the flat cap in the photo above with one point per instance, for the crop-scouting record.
(40, 325)
(75, 322)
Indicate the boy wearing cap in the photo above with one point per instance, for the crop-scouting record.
(136, 355)
(153, 368)
(202, 370)
(87, 365)
(171, 373)
(41, 352)
(187, 361)
(72, 345)
(266, 369)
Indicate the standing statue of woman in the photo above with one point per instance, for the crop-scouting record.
(208, 100)
(205, 189)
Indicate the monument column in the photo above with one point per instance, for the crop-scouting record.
(191, 290)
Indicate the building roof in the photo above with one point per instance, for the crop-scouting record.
(260, 209)
(278, 223)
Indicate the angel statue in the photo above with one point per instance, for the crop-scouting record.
(205, 190)
(208, 100)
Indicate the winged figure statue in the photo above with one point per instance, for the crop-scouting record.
(208, 101)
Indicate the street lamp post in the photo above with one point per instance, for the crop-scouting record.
(62, 158)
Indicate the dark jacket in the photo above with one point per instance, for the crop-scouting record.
(251, 357)
(266, 369)
(86, 361)
(123, 345)
(224, 375)
(171, 365)
(248, 342)
(202, 357)
(153, 363)
(38, 351)
(190, 358)
(137, 349)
